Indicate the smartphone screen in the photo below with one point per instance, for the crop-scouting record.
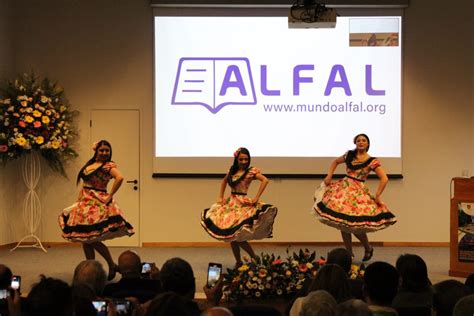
(100, 307)
(4, 293)
(123, 307)
(16, 282)
(146, 267)
(213, 273)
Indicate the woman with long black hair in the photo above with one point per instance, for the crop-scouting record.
(347, 204)
(96, 216)
(237, 218)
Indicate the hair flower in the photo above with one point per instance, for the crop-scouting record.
(236, 153)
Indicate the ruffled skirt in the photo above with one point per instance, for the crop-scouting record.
(237, 219)
(347, 205)
(90, 220)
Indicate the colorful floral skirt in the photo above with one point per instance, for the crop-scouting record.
(90, 220)
(237, 219)
(347, 205)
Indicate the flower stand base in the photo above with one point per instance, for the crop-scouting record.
(31, 170)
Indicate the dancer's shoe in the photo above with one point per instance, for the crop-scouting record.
(368, 254)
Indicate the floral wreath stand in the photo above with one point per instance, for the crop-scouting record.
(31, 171)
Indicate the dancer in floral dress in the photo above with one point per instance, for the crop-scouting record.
(96, 216)
(347, 204)
(237, 218)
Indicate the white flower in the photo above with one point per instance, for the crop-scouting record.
(45, 99)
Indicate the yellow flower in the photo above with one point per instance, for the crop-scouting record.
(55, 144)
(62, 108)
(39, 140)
(243, 268)
(21, 141)
(45, 99)
(37, 113)
(29, 119)
(45, 119)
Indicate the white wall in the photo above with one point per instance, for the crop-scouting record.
(101, 53)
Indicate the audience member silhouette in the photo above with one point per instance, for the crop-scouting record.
(170, 304)
(415, 287)
(380, 287)
(333, 279)
(177, 276)
(343, 258)
(353, 307)
(217, 311)
(470, 282)
(316, 303)
(89, 279)
(132, 283)
(446, 294)
(5, 280)
(51, 297)
(5, 276)
(465, 306)
(254, 310)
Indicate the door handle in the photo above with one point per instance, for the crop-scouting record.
(133, 181)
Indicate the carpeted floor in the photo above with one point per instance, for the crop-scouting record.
(59, 262)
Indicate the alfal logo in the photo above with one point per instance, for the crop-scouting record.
(216, 82)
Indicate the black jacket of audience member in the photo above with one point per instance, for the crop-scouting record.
(141, 288)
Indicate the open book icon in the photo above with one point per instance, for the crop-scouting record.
(214, 83)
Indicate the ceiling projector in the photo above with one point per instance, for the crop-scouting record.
(311, 15)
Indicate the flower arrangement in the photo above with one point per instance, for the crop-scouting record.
(35, 115)
(357, 272)
(269, 276)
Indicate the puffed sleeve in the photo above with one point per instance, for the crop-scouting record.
(254, 171)
(375, 164)
(109, 165)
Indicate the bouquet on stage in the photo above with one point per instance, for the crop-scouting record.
(35, 116)
(269, 276)
(35, 120)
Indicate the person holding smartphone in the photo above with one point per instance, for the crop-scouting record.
(133, 282)
(96, 216)
(238, 218)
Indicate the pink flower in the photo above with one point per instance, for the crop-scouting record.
(236, 153)
(22, 123)
(321, 261)
(3, 148)
(37, 124)
(302, 267)
(277, 261)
